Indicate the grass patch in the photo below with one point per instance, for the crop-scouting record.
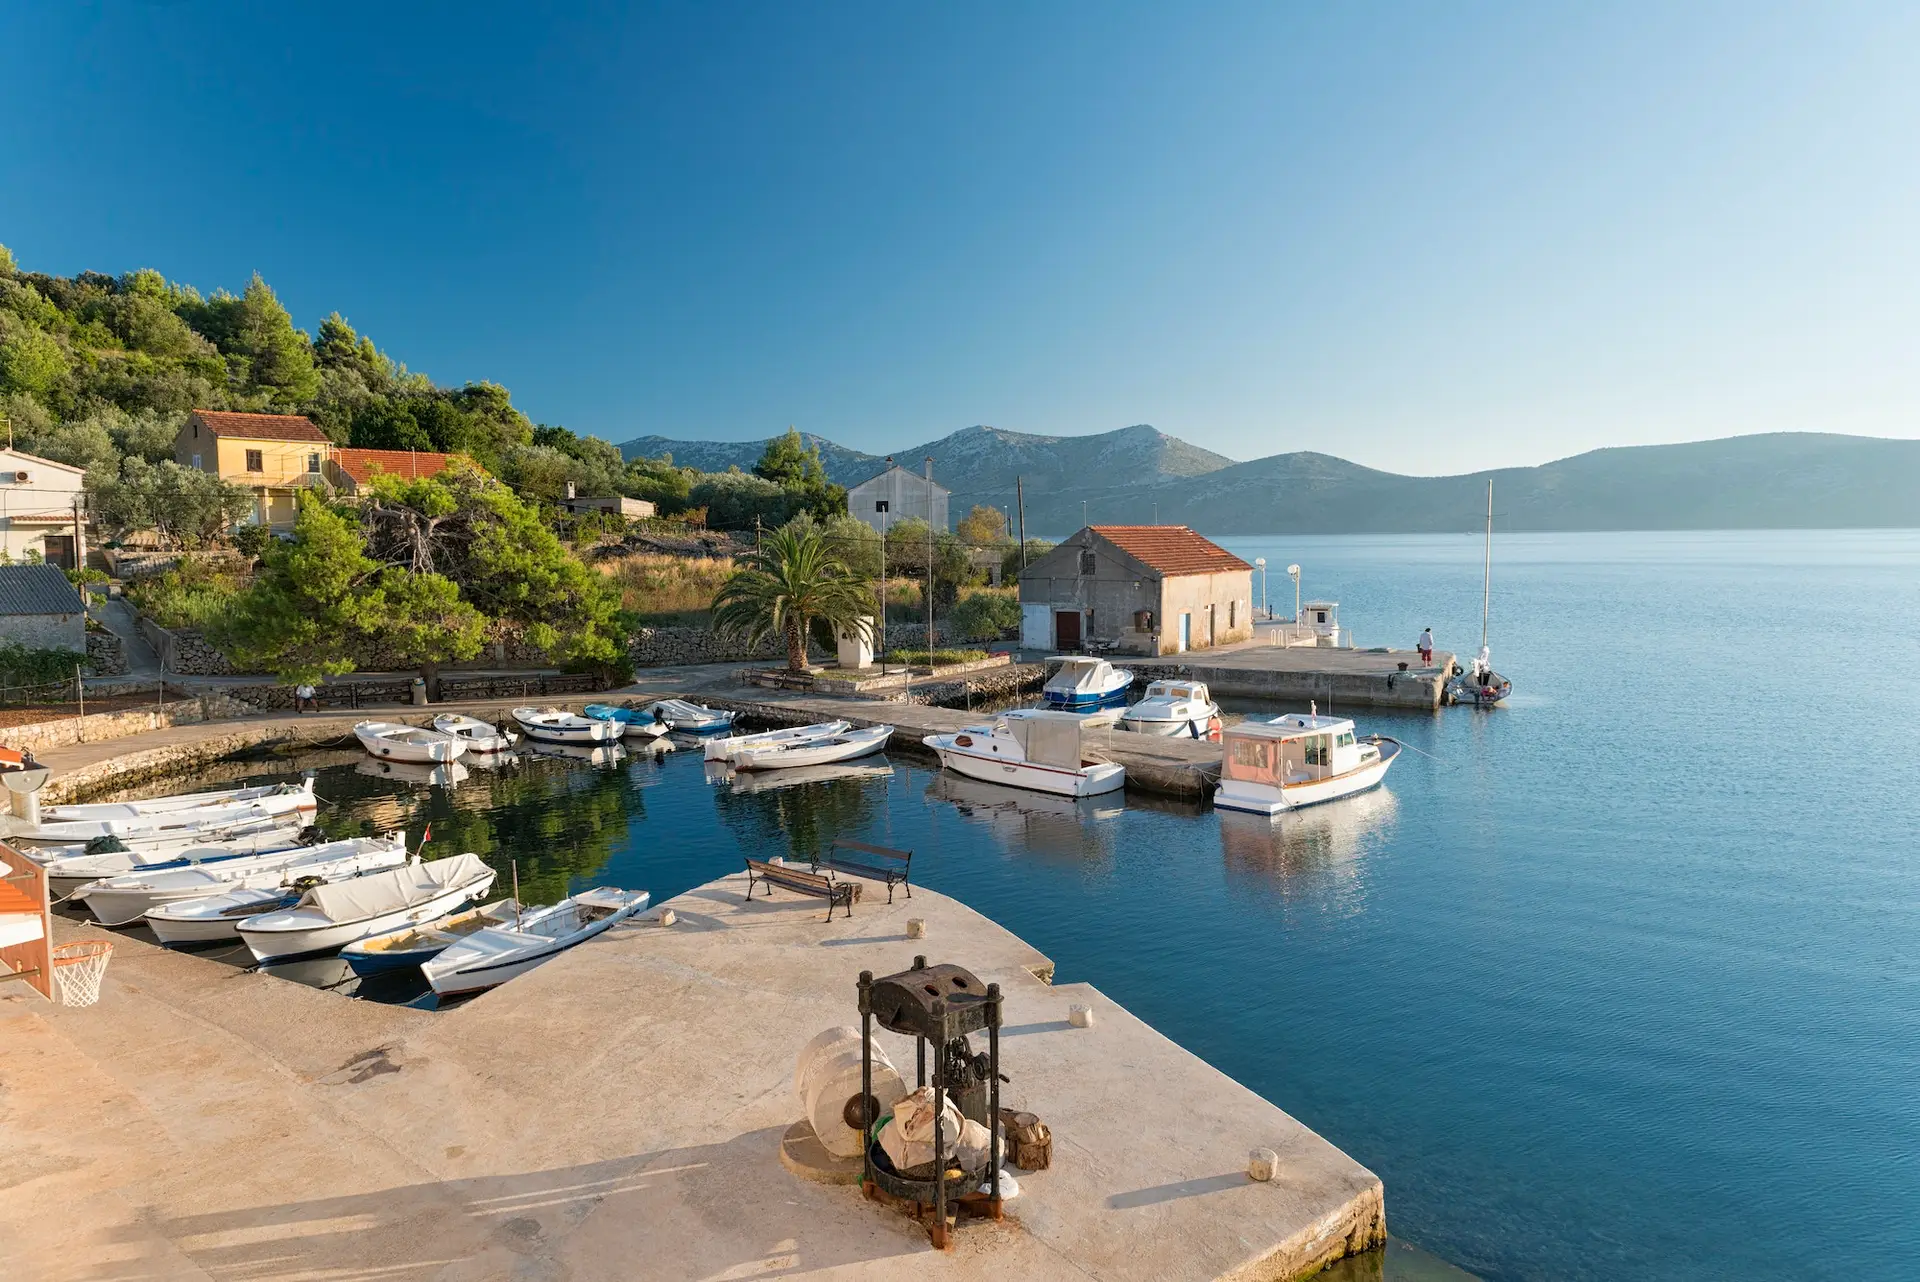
(934, 658)
(667, 591)
(193, 594)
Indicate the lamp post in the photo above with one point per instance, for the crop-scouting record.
(1294, 571)
(1260, 564)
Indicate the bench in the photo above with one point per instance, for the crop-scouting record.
(877, 862)
(837, 894)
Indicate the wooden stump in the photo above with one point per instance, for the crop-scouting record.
(1029, 1142)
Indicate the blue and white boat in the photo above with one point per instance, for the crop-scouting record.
(1085, 684)
(635, 723)
(416, 944)
(691, 718)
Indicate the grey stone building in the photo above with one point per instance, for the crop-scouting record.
(897, 494)
(40, 610)
(1143, 589)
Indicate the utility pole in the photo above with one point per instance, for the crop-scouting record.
(929, 562)
(1020, 505)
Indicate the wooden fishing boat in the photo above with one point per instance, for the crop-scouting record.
(479, 736)
(1283, 763)
(692, 718)
(848, 745)
(72, 867)
(394, 741)
(178, 803)
(1029, 748)
(196, 825)
(554, 725)
(498, 953)
(413, 945)
(723, 747)
(122, 901)
(330, 916)
(635, 723)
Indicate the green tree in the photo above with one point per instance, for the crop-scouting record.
(908, 554)
(986, 616)
(793, 465)
(1033, 550)
(983, 527)
(271, 360)
(31, 362)
(302, 615)
(793, 580)
(186, 507)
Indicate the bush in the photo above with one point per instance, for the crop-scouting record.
(23, 667)
(986, 616)
(934, 658)
(192, 594)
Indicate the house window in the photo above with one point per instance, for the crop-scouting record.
(1088, 563)
(879, 506)
(196, 431)
(313, 462)
(254, 462)
(196, 460)
(1233, 614)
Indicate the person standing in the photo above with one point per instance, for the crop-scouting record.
(1425, 644)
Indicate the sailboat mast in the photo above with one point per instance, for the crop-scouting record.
(1486, 582)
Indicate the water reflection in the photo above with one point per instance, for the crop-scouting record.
(803, 815)
(1035, 822)
(1314, 852)
(773, 780)
(442, 775)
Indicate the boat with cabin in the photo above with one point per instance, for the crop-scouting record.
(1034, 748)
(723, 747)
(556, 725)
(479, 736)
(1084, 683)
(494, 955)
(1276, 764)
(122, 901)
(330, 916)
(1182, 708)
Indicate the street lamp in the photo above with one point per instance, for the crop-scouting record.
(1294, 570)
(1260, 564)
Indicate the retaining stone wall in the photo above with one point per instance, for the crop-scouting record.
(106, 654)
(913, 636)
(670, 647)
(96, 726)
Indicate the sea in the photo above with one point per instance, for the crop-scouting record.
(1620, 980)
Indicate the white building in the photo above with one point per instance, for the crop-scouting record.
(38, 501)
(897, 494)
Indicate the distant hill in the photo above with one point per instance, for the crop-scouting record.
(1785, 480)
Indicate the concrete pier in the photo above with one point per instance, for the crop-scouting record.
(617, 1114)
(1298, 674)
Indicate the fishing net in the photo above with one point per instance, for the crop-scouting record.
(77, 970)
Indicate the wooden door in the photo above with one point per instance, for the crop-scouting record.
(60, 550)
(1066, 629)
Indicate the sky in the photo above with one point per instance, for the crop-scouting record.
(1428, 238)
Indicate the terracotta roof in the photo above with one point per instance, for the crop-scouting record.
(261, 427)
(362, 464)
(1170, 549)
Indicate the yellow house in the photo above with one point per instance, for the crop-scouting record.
(274, 455)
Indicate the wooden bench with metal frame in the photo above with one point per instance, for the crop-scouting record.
(880, 863)
(836, 893)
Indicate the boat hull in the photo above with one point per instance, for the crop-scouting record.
(444, 749)
(477, 978)
(1085, 782)
(1259, 799)
(817, 753)
(590, 735)
(209, 930)
(1082, 701)
(276, 945)
(1184, 728)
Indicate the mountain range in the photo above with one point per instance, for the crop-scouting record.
(1786, 480)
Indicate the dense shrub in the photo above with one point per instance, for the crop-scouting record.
(192, 594)
(986, 615)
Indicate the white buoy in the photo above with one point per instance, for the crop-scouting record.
(667, 917)
(1263, 1164)
(1080, 1016)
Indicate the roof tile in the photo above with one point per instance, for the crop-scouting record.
(261, 427)
(362, 464)
(1171, 549)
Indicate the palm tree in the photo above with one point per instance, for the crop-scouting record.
(792, 579)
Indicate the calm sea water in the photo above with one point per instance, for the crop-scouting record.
(1619, 981)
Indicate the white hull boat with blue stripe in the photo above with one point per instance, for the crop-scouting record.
(123, 901)
(1086, 685)
(74, 868)
(553, 725)
(491, 957)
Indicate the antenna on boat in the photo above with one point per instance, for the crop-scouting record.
(1486, 582)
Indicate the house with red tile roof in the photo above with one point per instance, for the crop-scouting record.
(350, 469)
(274, 455)
(1141, 589)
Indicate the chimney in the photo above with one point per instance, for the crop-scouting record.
(569, 491)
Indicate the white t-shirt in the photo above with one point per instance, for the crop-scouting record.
(1426, 641)
(303, 692)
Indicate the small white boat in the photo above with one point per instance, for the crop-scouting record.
(332, 915)
(691, 718)
(181, 802)
(394, 741)
(846, 746)
(1029, 748)
(73, 867)
(499, 953)
(1083, 684)
(635, 723)
(1283, 763)
(723, 747)
(413, 945)
(122, 901)
(479, 736)
(552, 725)
(216, 917)
(200, 825)
(1182, 708)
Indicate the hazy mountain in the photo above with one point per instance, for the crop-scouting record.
(1781, 481)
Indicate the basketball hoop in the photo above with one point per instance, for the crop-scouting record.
(77, 969)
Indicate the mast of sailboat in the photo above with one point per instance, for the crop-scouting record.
(1486, 582)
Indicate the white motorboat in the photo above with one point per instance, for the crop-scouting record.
(199, 825)
(1283, 763)
(1084, 684)
(73, 867)
(338, 913)
(479, 736)
(216, 917)
(635, 723)
(1182, 708)
(553, 725)
(691, 718)
(122, 901)
(395, 741)
(499, 953)
(1479, 684)
(1029, 748)
(846, 746)
(723, 747)
(414, 945)
(181, 802)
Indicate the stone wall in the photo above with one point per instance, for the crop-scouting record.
(670, 647)
(46, 631)
(913, 636)
(106, 654)
(185, 652)
(96, 726)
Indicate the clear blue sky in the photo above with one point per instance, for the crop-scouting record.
(1425, 237)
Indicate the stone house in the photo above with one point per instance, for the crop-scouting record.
(40, 610)
(631, 509)
(40, 506)
(274, 455)
(1144, 589)
(348, 470)
(897, 495)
